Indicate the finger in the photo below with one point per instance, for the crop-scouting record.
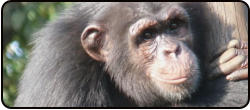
(232, 44)
(243, 45)
(238, 75)
(228, 67)
(227, 55)
(217, 53)
(237, 44)
(244, 64)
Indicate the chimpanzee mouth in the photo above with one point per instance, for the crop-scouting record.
(176, 80)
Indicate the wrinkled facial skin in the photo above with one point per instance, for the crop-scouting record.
(162, 46)
(153, 57)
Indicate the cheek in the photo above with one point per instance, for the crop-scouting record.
(185, 64)
(146, 53)
(165, 70)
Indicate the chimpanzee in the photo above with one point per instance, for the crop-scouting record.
(125, 55)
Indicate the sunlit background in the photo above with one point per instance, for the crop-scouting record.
(20, 20)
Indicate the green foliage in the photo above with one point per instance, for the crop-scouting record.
(20, 21)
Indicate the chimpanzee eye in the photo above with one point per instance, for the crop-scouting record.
(148, 34)
(174, 25)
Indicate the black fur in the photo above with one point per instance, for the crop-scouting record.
(61, 74)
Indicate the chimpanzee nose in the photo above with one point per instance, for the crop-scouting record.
(172, 50)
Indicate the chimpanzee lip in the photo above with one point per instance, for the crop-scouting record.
(177, 80)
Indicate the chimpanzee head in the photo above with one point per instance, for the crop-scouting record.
(146, 48)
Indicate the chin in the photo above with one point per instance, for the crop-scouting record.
(176, 90)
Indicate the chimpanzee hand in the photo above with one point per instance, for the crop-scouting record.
(233, 62)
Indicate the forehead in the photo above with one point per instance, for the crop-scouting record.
(127, 12)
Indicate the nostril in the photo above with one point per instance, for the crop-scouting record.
(178, 50)
(167, 52)
(174, 50)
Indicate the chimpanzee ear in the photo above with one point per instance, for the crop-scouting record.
(92, 41)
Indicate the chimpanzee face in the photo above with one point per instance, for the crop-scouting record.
(146, 52)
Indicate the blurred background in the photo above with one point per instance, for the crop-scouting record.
(19, 21)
